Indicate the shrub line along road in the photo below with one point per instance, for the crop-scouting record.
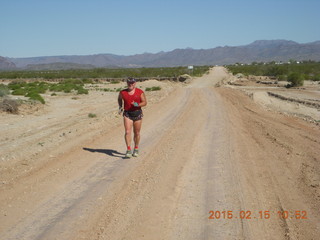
(213, 165)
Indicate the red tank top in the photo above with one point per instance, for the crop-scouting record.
(128, 99)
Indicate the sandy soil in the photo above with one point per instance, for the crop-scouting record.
(216, 163)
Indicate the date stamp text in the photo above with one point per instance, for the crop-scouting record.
(265, 214)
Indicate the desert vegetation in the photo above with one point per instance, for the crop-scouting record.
(84, 74)
(4, 90)
(155, 88)
(9, 105)
(32, 90)
(293, 72)
(32, 84)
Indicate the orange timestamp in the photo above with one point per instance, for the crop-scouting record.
(247, 214)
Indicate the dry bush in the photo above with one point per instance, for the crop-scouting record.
(9, 105)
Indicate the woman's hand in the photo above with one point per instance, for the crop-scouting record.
(135, 104)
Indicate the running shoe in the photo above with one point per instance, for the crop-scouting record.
(128, 154)
(135, 153)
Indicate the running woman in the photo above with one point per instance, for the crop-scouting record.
(130, 101)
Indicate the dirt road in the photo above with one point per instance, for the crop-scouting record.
(213, 165)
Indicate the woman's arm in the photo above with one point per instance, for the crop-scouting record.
(120, 100)
(143, 100)
(120, 103)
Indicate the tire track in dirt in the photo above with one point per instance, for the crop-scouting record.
(208, 170)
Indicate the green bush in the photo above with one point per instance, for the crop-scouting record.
(56, 87)
(39, 89)
(82, 91)
(36, 97)
(107, 90)
(4, 90)
(295, 79)
(16, 85)
(19, 91)
(275, 70)
(87, 81)
(17, 82)
(68, 88)
(72, 82)
(153, 89)
(316, 77)
(114, 82)
(34, 89)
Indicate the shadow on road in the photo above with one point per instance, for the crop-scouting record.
(109, 152)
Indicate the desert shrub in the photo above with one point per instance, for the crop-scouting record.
(316, 77)
(4, 90)
(156, 88)
(23, 88)
(92, 115)
(87, 81)
(33, 84)
(107, 90)
(9, 105)
(56, 88)
(34, 89)
(153, 88)
(72, 82)
(17, 82)
(295, 79)
(81, 90)
(67, 89)
(41, 87)
(19, 91)
(16, 85)
(275, 70)
(41, 90)
(68, 86)
(114, 82)
(282, 78)
(35, 96)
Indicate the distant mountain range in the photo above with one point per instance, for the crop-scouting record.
(6, 64)
(258, 51)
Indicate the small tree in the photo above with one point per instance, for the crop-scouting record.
(295, 79)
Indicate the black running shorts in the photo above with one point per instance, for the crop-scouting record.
(133, 115)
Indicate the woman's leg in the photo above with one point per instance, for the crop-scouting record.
(136, 130)
(128, 123)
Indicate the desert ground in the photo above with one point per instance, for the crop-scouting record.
(222, 157)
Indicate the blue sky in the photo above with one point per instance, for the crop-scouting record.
(32, 28)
